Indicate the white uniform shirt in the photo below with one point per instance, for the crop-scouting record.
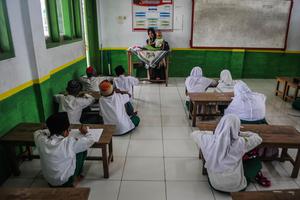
(73, 106)
(92, 83)
(126, 83)
(112, 109)
(232, 180)
(58, 155)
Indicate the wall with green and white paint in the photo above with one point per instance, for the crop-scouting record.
(116, 35)
(29, 80)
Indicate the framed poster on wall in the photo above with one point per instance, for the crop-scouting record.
(157, 14)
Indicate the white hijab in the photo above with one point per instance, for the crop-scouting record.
(225, 148)
(196, 82)
(225, 77)
(248, 105)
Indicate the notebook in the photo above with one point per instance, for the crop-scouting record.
(96, 133)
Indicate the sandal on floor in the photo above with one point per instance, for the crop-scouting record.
(262, 180)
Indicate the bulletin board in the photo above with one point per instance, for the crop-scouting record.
(157, 14)
(247, 24)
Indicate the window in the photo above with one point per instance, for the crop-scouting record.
(61, 21)
(45, 18)
(6, 45)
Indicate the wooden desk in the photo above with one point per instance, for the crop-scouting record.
(130, 70)
(22, 134)
(291, 194)
(44, 193)
(282, 80)
(205, 98)
(285, 137)
(291, 84)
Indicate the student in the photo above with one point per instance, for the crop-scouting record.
(151, 37)
(250, 107)
(159, 41)
(112, 109)
(124, 83)
(62, 156)
(226, 83)
(196, 82)
(91, 81)
(223, 152)
(72, 103)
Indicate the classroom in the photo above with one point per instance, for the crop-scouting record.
(150, 99)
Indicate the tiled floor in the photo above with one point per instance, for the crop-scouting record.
(159, 160)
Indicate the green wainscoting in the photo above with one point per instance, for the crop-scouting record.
(243, 64)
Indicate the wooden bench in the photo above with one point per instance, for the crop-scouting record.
(282, 80)
(291, 84)
(290, 194)
(44, 193)
(285, 137)
(22, 134)
(205, 98)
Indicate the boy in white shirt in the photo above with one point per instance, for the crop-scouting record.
(91, 81)
(124, 83)
(112, 109)
(72, 103)
(62, 156)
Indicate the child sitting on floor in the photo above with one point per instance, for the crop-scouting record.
(91, 81)
(124, 83)
(226, 83)
(112, 109)
(72, 103)
(224, 151)
(62, 156)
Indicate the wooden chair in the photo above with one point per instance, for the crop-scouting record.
(292, 84)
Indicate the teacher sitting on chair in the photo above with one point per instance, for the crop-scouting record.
(158, 73)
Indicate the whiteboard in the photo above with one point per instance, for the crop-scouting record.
(240, 23)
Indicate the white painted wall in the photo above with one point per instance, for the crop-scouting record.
(32, 59)
(116, 34)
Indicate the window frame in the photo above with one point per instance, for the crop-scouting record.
(7, 51)
(72, 23)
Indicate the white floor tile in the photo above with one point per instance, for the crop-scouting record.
(180, 148)
(176, 132)
(145, 148)
(94, 169)
(120, 146)
(30, 169)
(192, 190)
(107, 190)
(18, 182)
(147, 168)
(144, 132)
(179, 120)
(145, 190)
(186, 169)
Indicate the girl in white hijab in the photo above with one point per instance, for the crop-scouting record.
(249, 106)
(223, 152)
(196, 82)
(226, 83)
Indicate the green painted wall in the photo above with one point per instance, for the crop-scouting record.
(242, 64)
(33, 104)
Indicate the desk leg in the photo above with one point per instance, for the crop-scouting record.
(277, 88)
(195, 108)
(190, 109)
(283, 154)
(110, 147)
(296, 165)
(286, 93)
(13, 160)
(105, 161)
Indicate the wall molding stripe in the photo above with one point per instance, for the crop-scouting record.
(27, 84)
(232, 50)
